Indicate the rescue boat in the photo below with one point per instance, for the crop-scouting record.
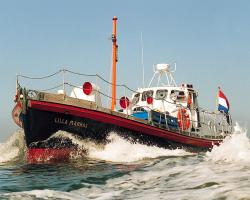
(163, 113)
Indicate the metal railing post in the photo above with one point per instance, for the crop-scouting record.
(63, 72)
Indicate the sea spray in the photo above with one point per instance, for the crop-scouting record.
(14, 148)
(234, 148)
(117, 149)
(172, 175)
(121, 150)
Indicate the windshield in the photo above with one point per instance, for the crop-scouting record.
(161, 94)
(178, 95)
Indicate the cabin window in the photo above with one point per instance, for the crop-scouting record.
(195, 102)
(161, 94)
(146, 94)
(139, 109)
(177, 95)
(136, 98)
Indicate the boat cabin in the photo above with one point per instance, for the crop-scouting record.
(167, 100)
(176, 103)
(163, 99)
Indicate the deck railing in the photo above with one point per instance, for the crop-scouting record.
(210, 124)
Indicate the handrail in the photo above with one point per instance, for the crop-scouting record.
(224, 128)
(204, 123)
(38, 78)
(88, 75)
(75, 73)
(52, 88)
(100, 77)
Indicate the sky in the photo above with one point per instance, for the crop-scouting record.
(209, 41)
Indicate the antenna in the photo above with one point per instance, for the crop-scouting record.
(142, 63)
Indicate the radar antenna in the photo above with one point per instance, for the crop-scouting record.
(161, 70)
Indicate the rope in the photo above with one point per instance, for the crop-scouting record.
(100, 77)
(75, 73)
(37, 78)
(48, 89)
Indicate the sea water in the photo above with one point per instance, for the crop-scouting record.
(121, 170)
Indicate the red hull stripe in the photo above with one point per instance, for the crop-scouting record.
(122, 122)
(35, 155)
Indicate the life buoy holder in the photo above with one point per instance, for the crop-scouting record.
(183, 119)
(17, 110)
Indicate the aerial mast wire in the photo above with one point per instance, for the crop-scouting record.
(142, 63)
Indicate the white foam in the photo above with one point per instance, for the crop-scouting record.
(44, 194)
(13, 147)
(233, 149)
(119, 149)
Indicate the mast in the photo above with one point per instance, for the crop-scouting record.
(114, 61)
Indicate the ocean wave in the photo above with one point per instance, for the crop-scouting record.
(118, 149)
(121, 150)
(14, 148)
(234, 148)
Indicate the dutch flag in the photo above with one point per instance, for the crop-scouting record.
(223, 103)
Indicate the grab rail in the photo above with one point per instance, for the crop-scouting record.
(216, 127)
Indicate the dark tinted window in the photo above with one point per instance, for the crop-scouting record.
(178, 95)
(136, 98)
(161, 94)
(146, 94)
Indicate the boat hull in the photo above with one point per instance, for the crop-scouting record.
(42, 119)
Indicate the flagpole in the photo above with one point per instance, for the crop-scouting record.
(217, 100)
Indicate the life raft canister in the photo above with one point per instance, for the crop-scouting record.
(16, 114)
(183, 119)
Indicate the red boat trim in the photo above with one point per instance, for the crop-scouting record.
(37, 155)
(122, 122)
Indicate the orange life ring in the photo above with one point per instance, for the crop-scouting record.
(183, 119)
